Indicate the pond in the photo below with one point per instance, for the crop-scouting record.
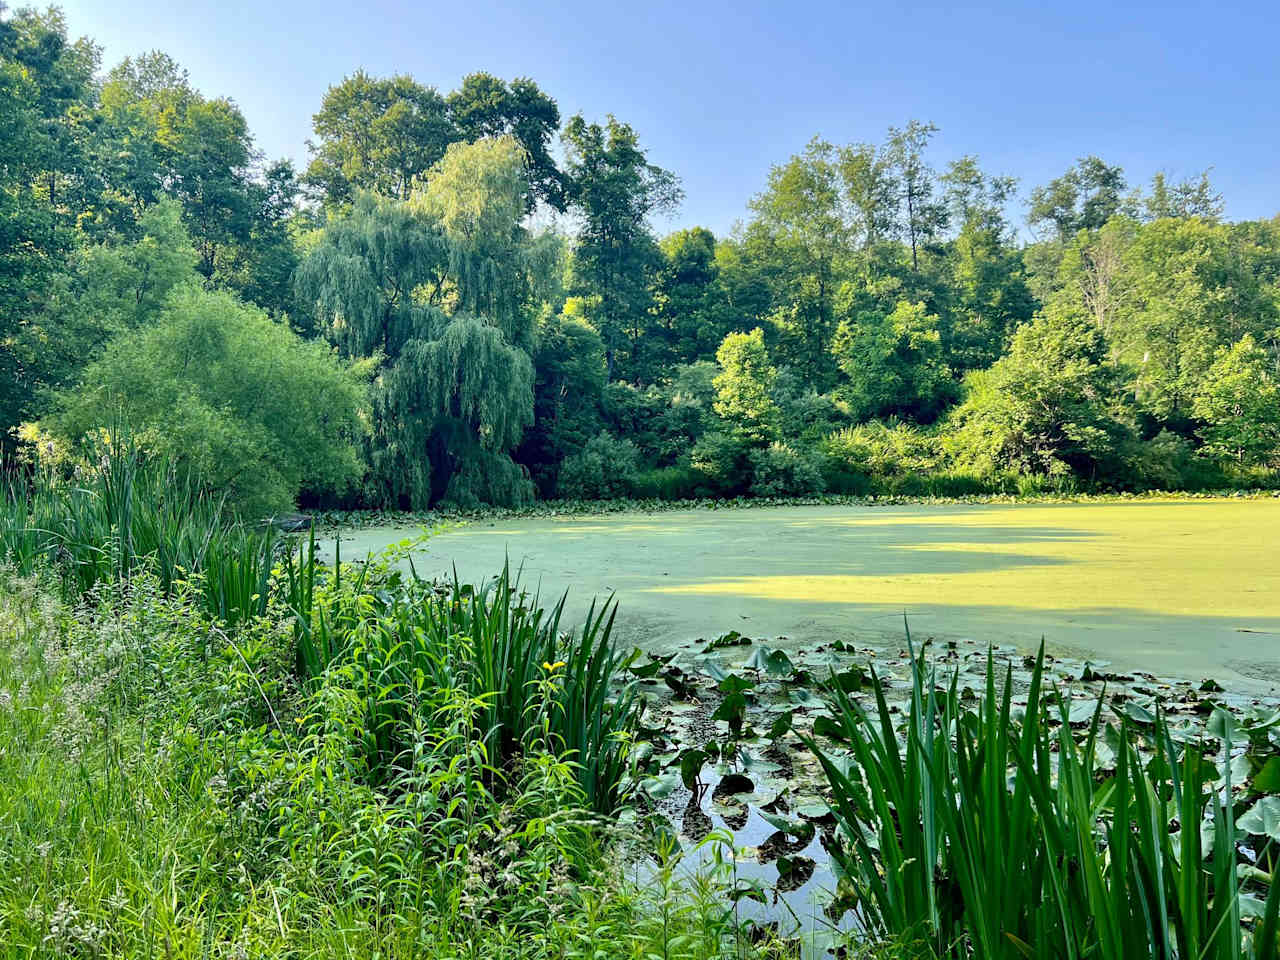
(1186, 588)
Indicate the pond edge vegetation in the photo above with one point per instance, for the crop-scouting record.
(415, 757)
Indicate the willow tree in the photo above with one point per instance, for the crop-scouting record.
(435, 294)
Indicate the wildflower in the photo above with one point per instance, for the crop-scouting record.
(552, 667)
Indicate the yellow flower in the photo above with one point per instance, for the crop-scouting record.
(552, 667)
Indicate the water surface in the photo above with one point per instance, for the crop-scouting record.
(1186, 588)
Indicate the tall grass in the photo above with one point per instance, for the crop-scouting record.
(124, 514)
(145, 820)
(525, 674)
(994, 834)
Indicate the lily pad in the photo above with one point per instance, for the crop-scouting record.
(731, 784)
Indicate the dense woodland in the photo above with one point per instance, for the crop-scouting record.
(388, 327)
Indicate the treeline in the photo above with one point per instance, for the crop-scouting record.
(386, 328)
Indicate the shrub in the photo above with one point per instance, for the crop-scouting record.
(606, 468)
(1239, 404)
(806, 414)
(879, 457)
(779, 470)
(1161, 463)
(228, 396)
(680, 482)
(1048, 406)
(521, 682)
(723, 458)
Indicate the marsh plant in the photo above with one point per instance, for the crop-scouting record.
(999, 831)
(250, 753)
(122, 514)
(524, 675)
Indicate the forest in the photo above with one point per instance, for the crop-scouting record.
(462, 299)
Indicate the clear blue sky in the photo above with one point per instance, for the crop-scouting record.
(720, 91)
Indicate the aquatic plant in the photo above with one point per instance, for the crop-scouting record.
(995, 832)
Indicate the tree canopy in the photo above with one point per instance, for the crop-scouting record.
(881, 318)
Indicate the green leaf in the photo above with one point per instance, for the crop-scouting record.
(646, 671)
(731, 639)
(1267, 779)
(733, 783)
(852, 680)
(735, 684)
(826, 727)
(661, 786)
(781, 725)
(803, 697)
(1138, 713)
(732, 710)
(1262, 819)
(1223, 725)
(775, 663)
(691, 762)
(802, 830)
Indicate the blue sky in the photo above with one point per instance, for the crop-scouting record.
(720, 91)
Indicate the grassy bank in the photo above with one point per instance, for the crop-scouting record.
(307, 761)
(214, 745)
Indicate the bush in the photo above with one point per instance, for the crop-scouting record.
(879, 457)
(808, 415)
(1161, 463)
(228, 396)
(778, 470)
(680, 482)
(607, 468)
(724, 460)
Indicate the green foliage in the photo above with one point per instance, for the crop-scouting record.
(172, 758)
(606, 468)
(377, 135)
(744, 386)
(200, 149)
(799, 227)
(879, 456)
(1239, 403)
(527, 683)
(383, 135)
(568, 389)
(107, 289)
(43, 78)
(616, 190)
(779, 470)
(997, 835)
(229, 397)
(1190, 288)
(475, 195)
(724, 459)
(880, 281)
(126, 517)
(1083, 198)
(1045, 407)
(678, 482)
(434, 293)
(690, 312)
(893, 365)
